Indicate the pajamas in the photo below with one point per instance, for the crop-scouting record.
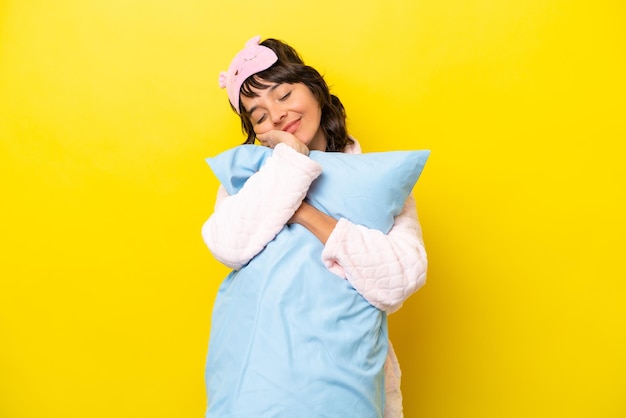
(384, 268)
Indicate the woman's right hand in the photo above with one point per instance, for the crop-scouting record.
(274, 137)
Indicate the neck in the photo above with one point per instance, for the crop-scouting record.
(318, 143)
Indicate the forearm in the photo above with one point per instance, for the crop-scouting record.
(318, 223)
(385, 269)
(243, 224)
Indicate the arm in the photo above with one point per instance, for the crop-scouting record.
(243, 224)
(385, 269)
(317, 222)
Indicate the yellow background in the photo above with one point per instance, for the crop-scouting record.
(108, 108)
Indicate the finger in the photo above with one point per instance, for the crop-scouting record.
(269, 138)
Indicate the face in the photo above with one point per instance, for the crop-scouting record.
(287, 107)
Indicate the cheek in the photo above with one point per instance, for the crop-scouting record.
(262, 128)
(318, 116)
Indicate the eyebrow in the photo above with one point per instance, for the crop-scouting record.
(271, 89)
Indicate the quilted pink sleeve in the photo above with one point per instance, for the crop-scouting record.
(243, 224)
(385, 268)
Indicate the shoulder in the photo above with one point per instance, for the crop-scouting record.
(354, 148)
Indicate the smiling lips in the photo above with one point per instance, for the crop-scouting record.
(291, 127)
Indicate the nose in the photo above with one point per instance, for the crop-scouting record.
(277, 114)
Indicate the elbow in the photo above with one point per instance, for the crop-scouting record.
(420, 282)
(222, 253)
(418, 276)
(422, 269)
(413, 279)
(418, 269)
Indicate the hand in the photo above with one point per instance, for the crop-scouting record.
(274, 137)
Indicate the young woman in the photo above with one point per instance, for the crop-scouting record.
(287, 106)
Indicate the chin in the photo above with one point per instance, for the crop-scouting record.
(305, 141)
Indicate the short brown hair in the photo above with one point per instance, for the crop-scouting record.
(291, 69)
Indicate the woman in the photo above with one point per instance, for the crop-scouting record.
(287, 106)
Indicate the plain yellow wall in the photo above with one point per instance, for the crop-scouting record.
(108, 108)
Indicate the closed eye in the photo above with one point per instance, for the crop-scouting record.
(285, 97)
(261, 119)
